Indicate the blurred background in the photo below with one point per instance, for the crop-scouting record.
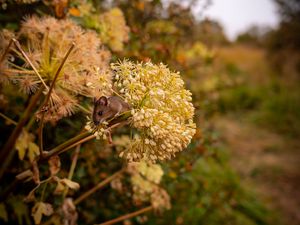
(241, 60)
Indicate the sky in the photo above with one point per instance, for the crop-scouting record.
(238, 15)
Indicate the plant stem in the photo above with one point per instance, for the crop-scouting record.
(97, 187)
(61, 148)
(9, 119)
(71, 142)
(40, 134)
(7, 151)
(127, 216)
(90, 137)
(41, 124)
(6, 50)
(79, 139)
(72, 168)
(20, 71)
(43, 192)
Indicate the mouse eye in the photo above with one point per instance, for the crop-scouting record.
(100, 113)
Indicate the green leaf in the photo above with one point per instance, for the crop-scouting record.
(20, 209)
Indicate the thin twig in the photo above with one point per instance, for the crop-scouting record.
(6, 50)
(79, 139)
(41, 124)
(97, 187)
(77, 143)
(72, 168)
(29, 61)
(9, 119)
(57, 73)
(19, 71)
(127, 216)
(40, 135)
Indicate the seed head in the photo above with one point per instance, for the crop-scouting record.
(86, 71)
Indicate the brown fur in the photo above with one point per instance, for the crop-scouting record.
(108, 107)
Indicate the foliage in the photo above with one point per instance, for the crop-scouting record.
(56, 184)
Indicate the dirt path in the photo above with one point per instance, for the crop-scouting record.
(266, 161)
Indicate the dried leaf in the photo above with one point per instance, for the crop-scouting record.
(54, 165)
(24, 175)
(70, 184)
(36, 172)
(40, 209)
(3, 212)
(59, 188)
(69, 211)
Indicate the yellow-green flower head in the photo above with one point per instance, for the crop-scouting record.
(145, 179)
(113, 29)
(162, 111)
(152, 172)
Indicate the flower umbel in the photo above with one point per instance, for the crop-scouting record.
(162, 111)
(145, 179)
(113, 29)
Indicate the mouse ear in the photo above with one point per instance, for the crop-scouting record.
(103, 100)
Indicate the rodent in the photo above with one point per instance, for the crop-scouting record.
(107, 108)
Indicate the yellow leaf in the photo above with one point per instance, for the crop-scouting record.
(172, 174)
(22, 144)
(33, 151)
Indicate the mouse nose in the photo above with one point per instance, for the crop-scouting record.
(96, 122)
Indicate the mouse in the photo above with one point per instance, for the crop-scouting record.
(108, 107)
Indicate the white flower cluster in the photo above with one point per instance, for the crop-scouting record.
(99, 131)
(161, 110)
(145, 179)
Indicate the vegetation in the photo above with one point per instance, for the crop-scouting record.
(166, 159)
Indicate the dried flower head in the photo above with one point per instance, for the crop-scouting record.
(86, 71)
(145, 179)
(162, 110)
(5, 37)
